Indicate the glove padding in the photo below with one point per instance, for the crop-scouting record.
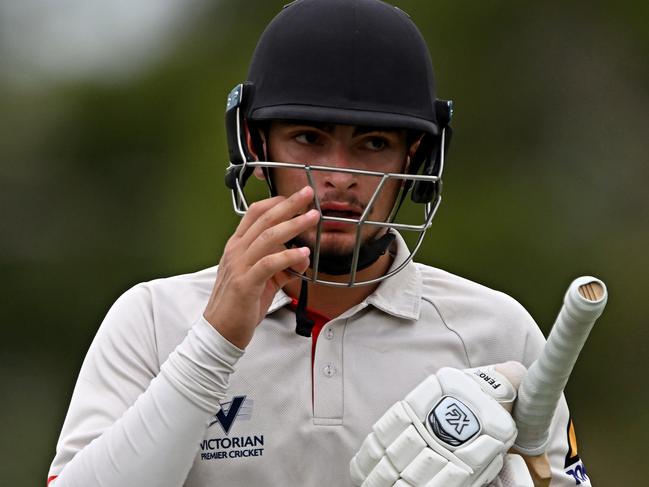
(450, 431)
(514, 473)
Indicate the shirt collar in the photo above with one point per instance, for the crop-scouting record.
(399, 295)
(280, 300)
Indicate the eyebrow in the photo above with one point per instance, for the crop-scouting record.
(329, 127)
(364, 129)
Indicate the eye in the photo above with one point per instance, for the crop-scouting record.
(308, 138)
(376, 143)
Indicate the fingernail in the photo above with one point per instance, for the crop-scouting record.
(305, 251)
(313, 213)
(305, 190)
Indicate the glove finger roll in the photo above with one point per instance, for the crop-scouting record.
(480, 452)
(391, 424)
(450, 476)
(383, 475)
(366, 459)
(424, 468)
(405, 448)
(489, 473)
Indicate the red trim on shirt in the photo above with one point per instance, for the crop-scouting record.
(49, 479)
(319, 320)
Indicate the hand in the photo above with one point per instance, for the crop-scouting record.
(450, 431)
(255, 263)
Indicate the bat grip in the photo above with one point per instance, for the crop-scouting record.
(541, 388)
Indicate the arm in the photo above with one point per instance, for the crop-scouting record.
(154, 441)
(111, 436)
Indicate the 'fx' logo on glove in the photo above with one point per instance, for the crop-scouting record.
(453, 422)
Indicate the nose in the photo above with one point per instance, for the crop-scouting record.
(339, 157)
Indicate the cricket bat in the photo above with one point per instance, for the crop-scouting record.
(547, 377)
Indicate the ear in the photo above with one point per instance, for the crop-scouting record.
(251, 145)
(258, 171)
(412, 150)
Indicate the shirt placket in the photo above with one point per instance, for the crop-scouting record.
(328, 371)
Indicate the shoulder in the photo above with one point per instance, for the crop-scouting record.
(457, 294)
(198, 283)
(157, 314)
(172, 291)
(492, 324)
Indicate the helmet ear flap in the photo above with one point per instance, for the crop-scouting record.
(424, 191)
(431, 154)
(235, 123)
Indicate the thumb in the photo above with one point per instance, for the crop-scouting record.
(500, 381)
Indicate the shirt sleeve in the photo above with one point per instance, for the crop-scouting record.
(131, 422)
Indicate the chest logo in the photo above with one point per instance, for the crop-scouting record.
(226, 447)
(238, 407)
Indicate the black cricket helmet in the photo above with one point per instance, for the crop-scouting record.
(352, 62)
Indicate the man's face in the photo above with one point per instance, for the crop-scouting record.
(340, 194)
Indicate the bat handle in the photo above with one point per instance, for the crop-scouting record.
(541, 388)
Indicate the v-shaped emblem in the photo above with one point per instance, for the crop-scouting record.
(226, 419)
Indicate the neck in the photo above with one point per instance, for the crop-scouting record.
(333, 301)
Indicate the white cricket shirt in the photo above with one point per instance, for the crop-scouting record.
(276, 426)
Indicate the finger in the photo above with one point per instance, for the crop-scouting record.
(285, 210)
(253, 213)
(285, 276)
(272, 264)
(272, 239)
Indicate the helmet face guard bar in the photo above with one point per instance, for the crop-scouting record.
(241, 204)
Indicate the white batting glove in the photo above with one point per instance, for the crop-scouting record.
(514, 473)
(450, 431)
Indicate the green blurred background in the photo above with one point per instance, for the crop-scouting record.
(112, 158)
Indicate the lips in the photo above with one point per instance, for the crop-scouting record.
(341, 214)
(341, 210)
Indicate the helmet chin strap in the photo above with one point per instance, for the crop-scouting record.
(303, 324)
(337, 266)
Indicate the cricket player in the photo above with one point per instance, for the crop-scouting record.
(317, 352)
